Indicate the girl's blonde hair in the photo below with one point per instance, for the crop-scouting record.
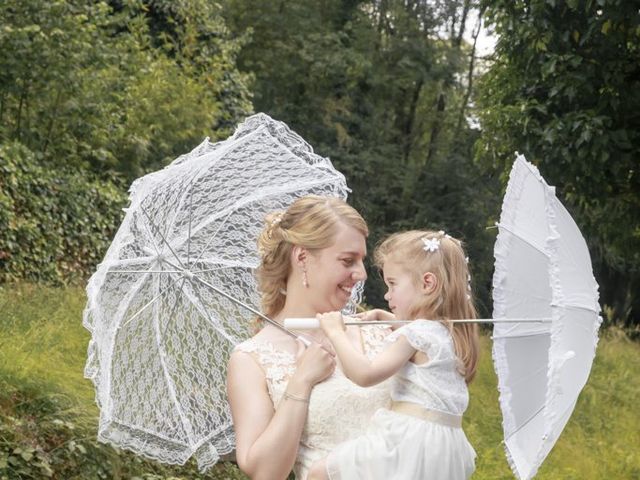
(310, 222)
(451, 298)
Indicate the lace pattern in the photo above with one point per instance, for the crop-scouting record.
(338, 409)
(436, 384)
(161, 332)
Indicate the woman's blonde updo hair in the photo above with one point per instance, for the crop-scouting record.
(451, 298)
(310, 222)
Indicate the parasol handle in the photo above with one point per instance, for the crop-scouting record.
(312, 323)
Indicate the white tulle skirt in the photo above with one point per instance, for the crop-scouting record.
(402, 447)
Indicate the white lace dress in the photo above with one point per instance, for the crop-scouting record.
(338, 409)
(399, 446)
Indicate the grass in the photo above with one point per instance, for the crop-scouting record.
(600, 440)
(48, 418)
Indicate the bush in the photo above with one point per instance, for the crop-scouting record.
(55, 225)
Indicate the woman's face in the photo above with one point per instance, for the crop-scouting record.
(402, 292)
(333, 271)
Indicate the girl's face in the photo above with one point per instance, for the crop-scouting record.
(333, 271)
(402, 291)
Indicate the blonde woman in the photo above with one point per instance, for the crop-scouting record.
(431, 361)
(291, 405)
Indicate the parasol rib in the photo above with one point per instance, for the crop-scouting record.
(172, 390)
(162, 236)
(525, 240)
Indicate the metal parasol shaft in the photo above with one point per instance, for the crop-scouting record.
(190, 275)
(311, 323)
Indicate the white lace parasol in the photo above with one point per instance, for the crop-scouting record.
(160, 333)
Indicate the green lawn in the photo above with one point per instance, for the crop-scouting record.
(48, 416)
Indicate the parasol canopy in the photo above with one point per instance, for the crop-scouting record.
(542, 270)
(161, 332)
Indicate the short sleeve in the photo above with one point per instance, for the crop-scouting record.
(427, 336)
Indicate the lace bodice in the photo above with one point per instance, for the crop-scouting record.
(338, 409)
(436, 384)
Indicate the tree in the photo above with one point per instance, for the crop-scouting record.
(81, 85)
(379, 87)
(564, 90)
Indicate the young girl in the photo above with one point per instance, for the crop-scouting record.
(432, 361)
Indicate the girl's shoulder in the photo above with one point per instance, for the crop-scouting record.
(426, 327)
(423, 335)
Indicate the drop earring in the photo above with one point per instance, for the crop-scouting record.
(305, 281)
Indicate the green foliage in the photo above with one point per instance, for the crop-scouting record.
(564, 91)
(89, 94)
(81, 85)
(55, 225)
(378, 87)
(48, 419)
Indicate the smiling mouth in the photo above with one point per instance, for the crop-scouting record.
(346, 290)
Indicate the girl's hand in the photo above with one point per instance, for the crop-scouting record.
(313, 364)
(377, 314)
(331, 323)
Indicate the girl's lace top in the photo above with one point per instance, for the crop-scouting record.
(338, 409)
(435, 384)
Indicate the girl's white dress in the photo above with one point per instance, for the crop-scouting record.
(400, 446)
(338, 409)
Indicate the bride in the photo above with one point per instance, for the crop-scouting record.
(291, 405)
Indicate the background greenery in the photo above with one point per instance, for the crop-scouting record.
(96, 93)
(48, 418)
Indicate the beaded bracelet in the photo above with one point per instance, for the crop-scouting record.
(295, 397)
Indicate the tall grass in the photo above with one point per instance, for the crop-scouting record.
(600, 441)
(49, 417)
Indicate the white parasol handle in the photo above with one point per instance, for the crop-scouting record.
(311, 323)
(301, 323)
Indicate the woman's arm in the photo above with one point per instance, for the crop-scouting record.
(267, 439)
(356, 366)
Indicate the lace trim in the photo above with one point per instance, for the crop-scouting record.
(426, 336)
(278, 365)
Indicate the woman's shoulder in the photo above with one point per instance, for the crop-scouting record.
(267, 348)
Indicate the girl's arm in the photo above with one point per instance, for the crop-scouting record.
(356, 366)
(267, 439)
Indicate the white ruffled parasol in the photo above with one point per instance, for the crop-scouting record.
(543, 270)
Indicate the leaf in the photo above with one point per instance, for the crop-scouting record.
(27, 455)
(606, 26)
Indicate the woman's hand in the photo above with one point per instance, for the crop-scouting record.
(313, 365)
(376, 314)
(331, 323)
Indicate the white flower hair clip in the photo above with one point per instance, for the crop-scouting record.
(430, 244)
